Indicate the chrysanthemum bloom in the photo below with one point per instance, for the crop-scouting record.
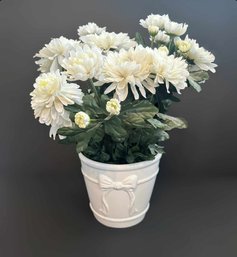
(113, 106)
(52, 92)
(163, 49)
(83, 63)
(183, 45)
(200, 56)
(174, 28)
(109, 40)
(169, 69)
(90, 28)
(162, 37)
(125, 68)
(82, 119)
(52, 54)
(155, 20)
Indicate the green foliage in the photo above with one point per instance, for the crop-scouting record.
(139, 39)
(172, 122)
(136, 114)
(113, 127)
(134, 135)
(194, 84)
(126, 138)
(197, 77)
(163, 99)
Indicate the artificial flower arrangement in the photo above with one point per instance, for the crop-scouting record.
(121, 118)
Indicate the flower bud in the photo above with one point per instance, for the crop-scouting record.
(113, 106)
(82, 119)
(183, 46)
(163, 50)
(153, 30)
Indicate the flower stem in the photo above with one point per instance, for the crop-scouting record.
(94, 89)
(152, 42)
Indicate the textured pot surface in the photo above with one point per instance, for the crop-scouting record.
(119, 193)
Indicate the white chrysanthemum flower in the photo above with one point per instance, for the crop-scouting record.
(170, 69)
(82, 119)
(162, 37)
(51, 93)
(200, 56)
(183, 45)
(155, 20)
(125, 68)
(83, 63)
(163, 50)
(109, 40)
(52, 54)
(90, 28)
(175, 28)
(113, 106)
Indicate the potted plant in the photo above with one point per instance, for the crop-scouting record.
(118, 124)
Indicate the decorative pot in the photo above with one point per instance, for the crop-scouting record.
(119, 194)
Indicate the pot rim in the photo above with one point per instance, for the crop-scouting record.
(119, 167)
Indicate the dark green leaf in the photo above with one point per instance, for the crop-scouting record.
(136, 113)
(73, 108)
(84, 138)
(67, 131)
(91, 106)
(113, 127)
(134, 120)
(172, 122)
(158, 124)
(139, 39)
(99, 135)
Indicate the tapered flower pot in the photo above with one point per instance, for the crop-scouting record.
(119, 194)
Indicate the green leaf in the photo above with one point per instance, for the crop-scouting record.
(155, 149)
(113, 127)
(130, 158)
(99, 135)
(67, 131)
(152, 136)
(172, 122)
(194, 84)
(139, 39)
(147, 109)
(134, 120)
(91, 106)
(84, 138)
(158, 124)
(136, 113)
(199, 76)
(104, 157)
(174, 98)
(160, 136)
(73, 108)
(104, 99)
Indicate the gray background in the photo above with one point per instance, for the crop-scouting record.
(44, 206)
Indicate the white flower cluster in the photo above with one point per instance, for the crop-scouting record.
(164, 24)
(116, 61)
(167, 30)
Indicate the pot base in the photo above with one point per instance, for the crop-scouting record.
(120, 223)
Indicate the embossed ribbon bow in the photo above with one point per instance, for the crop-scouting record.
(128, 185)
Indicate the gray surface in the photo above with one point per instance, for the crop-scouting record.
(44, 206)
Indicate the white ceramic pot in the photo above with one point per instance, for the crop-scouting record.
(119, 193)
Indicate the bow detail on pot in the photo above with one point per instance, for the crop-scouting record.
(127, 185)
